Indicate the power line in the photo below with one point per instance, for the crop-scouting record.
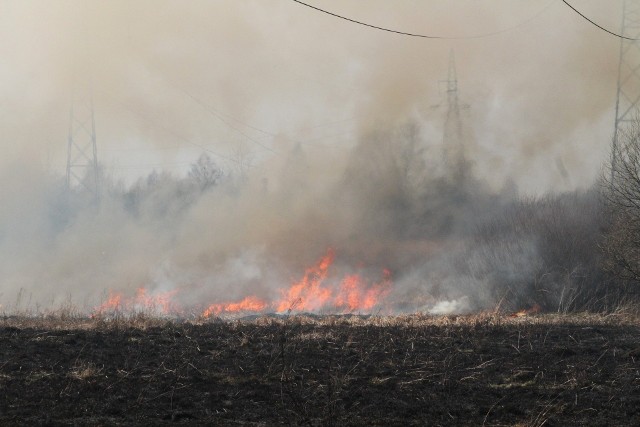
(219, 116)
(594, 23)
(367, 25)
(173, 147)
(150, 165)
(170, 131)
(224, 118)
(424, 36)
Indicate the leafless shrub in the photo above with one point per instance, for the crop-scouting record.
(547, 251)
(621, 192)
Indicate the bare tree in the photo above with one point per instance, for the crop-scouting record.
(205, 173)
(621, 191)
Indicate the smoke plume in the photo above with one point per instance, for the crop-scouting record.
(326, 135)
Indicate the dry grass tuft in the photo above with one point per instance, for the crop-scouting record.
(84, 370)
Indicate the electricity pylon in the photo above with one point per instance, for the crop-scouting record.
(452, 139)
(628, 96)
(82, 153)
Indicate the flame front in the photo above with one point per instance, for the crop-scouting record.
(250, 304)
(314, 292)
(143, 301)
(308, 294)
(526, 312)
(352, 294)
(112, 304)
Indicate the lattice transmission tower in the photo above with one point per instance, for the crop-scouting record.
(453, 138)
(82, 153)
(628, 97)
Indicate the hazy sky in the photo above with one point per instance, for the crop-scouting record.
(237, 76)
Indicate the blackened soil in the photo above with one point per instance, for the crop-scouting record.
(322, 373)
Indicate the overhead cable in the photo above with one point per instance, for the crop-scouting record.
(169, 131)
(219, 116)
(425, 36)
(594, 23)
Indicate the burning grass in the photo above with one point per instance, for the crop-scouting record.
(489, 368)
(316, 291)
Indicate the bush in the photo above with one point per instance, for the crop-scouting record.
(621, 191)
(547, 251)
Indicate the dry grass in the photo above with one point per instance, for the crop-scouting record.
(628, 314)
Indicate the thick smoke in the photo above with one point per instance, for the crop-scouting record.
(344, 147)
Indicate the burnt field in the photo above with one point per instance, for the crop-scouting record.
(412, 370)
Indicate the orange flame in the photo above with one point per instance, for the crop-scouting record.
(250, 304)
(112, 304)
(313, 292)
(159, 303)
(308, 293)
(528, 311)
(352, 293)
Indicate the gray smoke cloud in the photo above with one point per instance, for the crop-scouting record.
(326, 130)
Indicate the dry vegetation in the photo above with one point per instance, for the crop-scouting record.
(487, 369)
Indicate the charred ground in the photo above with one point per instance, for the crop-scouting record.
(412, 370)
